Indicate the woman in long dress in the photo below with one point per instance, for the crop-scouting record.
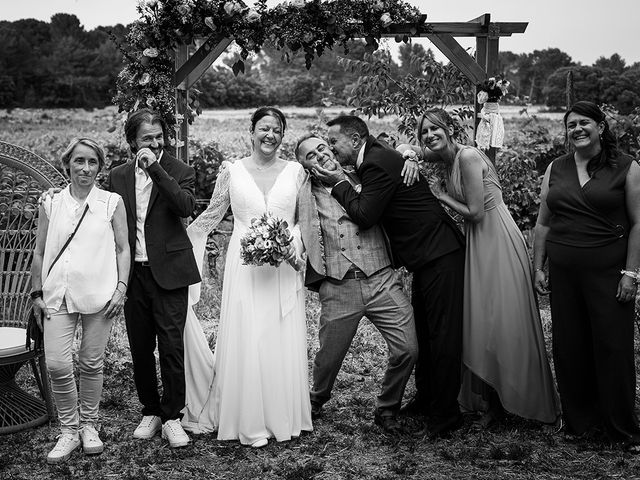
(255, 386)
(503, 344)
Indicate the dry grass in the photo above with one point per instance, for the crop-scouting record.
(344, 445)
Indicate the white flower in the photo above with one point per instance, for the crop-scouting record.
(253, 15)
(151, 101)
(386, 19)
(184, 10)
(482, 97)
(232, 7)
(208, 21)
(144, 79)
(297, 3)
(150, 52)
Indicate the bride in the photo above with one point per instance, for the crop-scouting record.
(255, 386)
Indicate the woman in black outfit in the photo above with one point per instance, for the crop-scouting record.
(589, 228)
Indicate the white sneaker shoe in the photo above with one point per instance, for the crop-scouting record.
(148, 427)
(67, 443)
(172, 430)
(91, 443)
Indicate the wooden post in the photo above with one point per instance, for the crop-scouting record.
(481, 60)
(570, 90)
(491, 67)
(182, 99)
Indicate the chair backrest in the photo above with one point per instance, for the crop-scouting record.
(23, 177)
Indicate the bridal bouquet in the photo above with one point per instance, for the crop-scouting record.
(266, 242)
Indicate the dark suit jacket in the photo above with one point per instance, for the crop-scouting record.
(172, 198)
(419, 229)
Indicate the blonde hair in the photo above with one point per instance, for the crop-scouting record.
(87, 142)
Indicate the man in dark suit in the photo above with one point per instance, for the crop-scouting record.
(158, 192)
(426, 241)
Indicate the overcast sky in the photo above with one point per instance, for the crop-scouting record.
(585, 29)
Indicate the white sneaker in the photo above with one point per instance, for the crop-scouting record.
(148, 427)
(172, 430)
(67, 443)
(91, 443)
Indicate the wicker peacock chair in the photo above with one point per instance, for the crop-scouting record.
(23, 176)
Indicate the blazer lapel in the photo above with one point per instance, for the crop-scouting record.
(130, 186)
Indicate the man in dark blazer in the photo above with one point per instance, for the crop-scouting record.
(426, 241)
(158, 193)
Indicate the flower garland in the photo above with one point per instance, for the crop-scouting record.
(310, 26)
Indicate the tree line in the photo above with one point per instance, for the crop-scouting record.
(60, 64)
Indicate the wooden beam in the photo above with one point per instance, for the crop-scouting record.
(458, 56)
(456, 29)
(182, 98)
(193, 68)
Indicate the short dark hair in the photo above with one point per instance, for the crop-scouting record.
(87, 142)
(137, 118)
(262, 112)
(607, 138)
(304, 138)
(350, 124)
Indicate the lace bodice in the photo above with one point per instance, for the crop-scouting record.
(236, 187)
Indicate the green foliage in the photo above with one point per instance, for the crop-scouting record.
(520, 166)
(626, 128)
(297, 26)
(380, 91)
(206, 159)
(56, 64)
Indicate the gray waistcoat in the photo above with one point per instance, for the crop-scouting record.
(344, 242)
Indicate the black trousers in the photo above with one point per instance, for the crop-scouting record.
(593, 340)
(437, 307)
(153, 314)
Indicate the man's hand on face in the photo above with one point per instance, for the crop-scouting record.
(329, 177)
(145, 157)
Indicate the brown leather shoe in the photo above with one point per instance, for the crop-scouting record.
(389, 423)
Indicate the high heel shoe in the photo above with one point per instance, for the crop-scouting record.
(260, 443)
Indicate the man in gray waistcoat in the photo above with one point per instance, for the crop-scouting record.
(351, 270)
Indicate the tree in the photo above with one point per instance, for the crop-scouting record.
(614, 63)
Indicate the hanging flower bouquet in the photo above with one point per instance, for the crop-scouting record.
(490, 131)
(492, 89)
(266, 242)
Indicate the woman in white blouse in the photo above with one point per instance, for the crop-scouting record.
(86, 283)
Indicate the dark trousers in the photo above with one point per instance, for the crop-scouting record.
(155, 314)
(593, 340)
(437, 308)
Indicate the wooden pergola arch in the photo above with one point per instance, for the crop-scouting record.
(188, 69)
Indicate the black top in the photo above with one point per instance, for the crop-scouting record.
(590, 216)
(418, 228)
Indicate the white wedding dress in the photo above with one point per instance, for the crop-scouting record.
(256, 384)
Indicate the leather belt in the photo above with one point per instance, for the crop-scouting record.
(142, 264)
(354, 274)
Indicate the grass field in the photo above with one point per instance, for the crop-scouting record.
(344, 444)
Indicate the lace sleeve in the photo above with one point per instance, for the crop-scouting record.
(220, 201)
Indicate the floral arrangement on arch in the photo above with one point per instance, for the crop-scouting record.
(492, 89)
(308, 26)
